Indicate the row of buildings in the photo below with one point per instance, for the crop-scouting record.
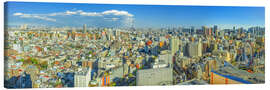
(86, 57)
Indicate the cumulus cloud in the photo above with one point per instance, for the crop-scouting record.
(36, 16)
(90, 14)
(81, 12)
(109, 15)
(117, 13)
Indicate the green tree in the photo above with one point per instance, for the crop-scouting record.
(113, 84)
(21, 60)
(130, 75)
(34, 61)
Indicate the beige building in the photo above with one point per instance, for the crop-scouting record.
(82, 78)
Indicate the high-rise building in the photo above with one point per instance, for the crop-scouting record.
(205, 30)
(200, 47)
(192, 30)
(174, 44)
(209, 32)
(240, 30)
(194, 49)
(105, 80)
(82, 77)
(215, 30)
(167, 57)
(104, 34)
(84, 28)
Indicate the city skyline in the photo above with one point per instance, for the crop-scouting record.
(61, 45)
(139, 16)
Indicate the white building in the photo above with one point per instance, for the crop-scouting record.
(174, 44)
(82, 78)
(194, 49)
(157, 76)
(166, 57)
(17, 47)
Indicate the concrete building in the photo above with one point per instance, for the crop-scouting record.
(84, 28)
(194, 49)
(166, 57)
(235, 76)
(158, 76)
(82, 78)
(174, 44)
(159, 64)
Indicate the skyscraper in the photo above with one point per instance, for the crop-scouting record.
(194, 49)
(84, 28)
(205, 30)
(174, 44)
(215, 30)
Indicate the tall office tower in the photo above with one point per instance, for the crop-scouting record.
(73, 34)
(110, 34)
(104, 35)
(251, 30)
(205, 30)
(240, 30)
(21, 44)
(194, 49)
(192, 30)
(174, 44)
(204, 46)
(200, 47)
(118, 34)
(82, 78)
(209, 31)
(180, 29)
(215, 30)
(84, 28)
(125, 69)
(68, 35)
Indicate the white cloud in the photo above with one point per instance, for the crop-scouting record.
(70, 12)
(82, 13)
(117, 13)
(45, 18)
(90, 13)
(17, 14)
(25, 16)
(22, 15)
(111, 15)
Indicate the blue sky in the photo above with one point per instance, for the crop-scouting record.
(107, 15)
